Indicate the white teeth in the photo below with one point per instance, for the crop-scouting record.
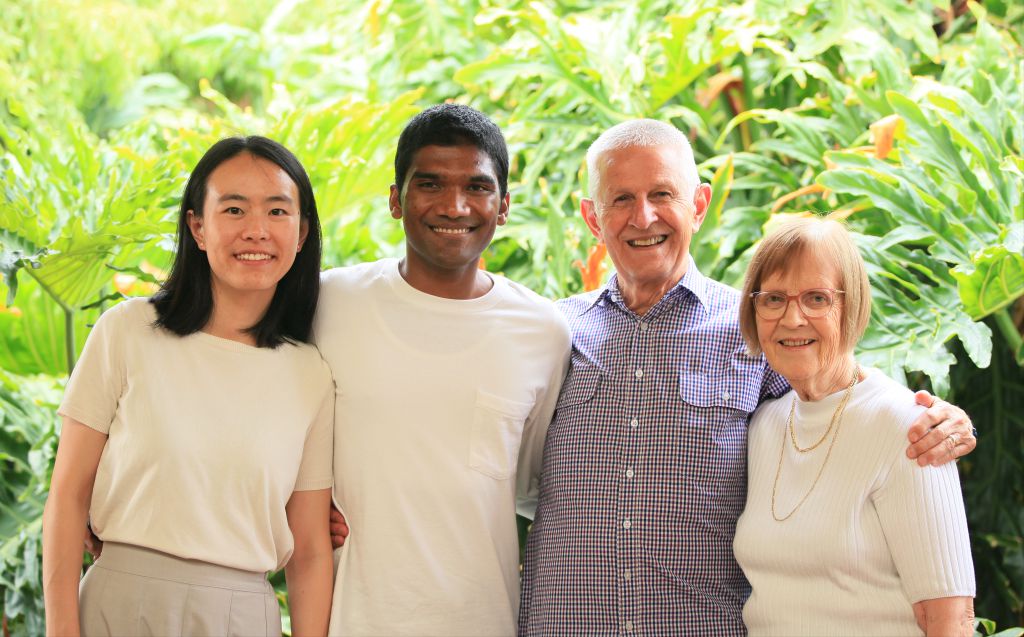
(797, 343)
(647, 242)
(252, 256)
(449, 230)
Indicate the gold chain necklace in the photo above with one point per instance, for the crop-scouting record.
(836, 418)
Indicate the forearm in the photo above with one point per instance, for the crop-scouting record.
(946, 616)
(64, 520)
(310, 578)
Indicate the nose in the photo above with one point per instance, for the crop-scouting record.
(455, 203)
(256, 227)
(644, 214)
(793, 315)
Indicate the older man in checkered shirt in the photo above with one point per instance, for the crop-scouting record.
(644, 469)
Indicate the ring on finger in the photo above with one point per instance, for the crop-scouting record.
(954, 440)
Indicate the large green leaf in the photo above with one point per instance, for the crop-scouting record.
(995, 277)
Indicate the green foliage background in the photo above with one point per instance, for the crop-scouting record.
(905, 115)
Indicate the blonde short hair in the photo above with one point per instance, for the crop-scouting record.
(641, 133)
(826, 239)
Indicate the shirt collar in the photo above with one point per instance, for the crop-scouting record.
(693, 281)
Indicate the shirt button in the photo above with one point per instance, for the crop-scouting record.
(643, 327)
(634, 423)
(626, 524)
(629, 472)
(639, 373)
(726, 396)
(627, 575)
(629, 626)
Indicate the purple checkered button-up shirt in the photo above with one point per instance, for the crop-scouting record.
(644, 471)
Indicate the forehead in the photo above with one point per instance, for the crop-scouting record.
(249, 175)
(803, 270)
(463, 160)
(640, 167)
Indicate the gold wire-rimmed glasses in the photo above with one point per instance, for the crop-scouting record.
(814, 303)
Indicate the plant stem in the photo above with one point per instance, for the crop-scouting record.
(69, 338)
(1010, 333)
(751, 127)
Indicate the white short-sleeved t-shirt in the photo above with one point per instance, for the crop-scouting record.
(207, 438)
(442, 409)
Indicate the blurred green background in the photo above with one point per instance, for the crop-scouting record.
(904, 115)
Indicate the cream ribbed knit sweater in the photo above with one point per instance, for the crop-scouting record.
(876, 534)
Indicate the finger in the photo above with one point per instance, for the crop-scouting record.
(924, 398)
(923, 424)
(337, 541)
(963, 442)
(923, 435)
(935, 446)
(336, 516)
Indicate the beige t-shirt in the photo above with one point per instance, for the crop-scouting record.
(207, 438)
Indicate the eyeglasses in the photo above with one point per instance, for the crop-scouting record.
(813, 303)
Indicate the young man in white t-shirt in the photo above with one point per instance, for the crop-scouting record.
(447, 377)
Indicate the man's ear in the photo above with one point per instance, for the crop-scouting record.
(503, 209)
(701, 203)
(195, 226)
(589, 212)
(395, 202)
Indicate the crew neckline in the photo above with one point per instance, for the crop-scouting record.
(406, 291)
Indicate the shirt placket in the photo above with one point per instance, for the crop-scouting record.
(629, 514)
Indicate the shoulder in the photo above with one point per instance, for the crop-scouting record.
(306, 359)
(722, 302)
(352, 276)
(573, 306)
(769, 416)
(534, 307)
(128, 314)
(884, 403)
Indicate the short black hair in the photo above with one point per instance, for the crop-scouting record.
(452, 125)
(185, 301)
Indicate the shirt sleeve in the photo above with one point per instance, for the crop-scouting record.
(316, 470)
(921, 510)
(773, 385)
(98, 381)
(536, 428)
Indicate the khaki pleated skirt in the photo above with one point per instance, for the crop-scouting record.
(138, 592)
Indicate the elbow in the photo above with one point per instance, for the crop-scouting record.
(946, 616)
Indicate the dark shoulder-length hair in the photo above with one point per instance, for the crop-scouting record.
(185, 301)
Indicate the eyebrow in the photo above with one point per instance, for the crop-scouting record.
(478, 178)
(234, 196)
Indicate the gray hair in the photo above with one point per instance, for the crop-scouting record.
(641, 133)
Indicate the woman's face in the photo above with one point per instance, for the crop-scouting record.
(251, 227)
(805, 350)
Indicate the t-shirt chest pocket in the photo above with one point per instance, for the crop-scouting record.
(497, 434)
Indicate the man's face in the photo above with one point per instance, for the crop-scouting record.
(643, 215)
(450, 205)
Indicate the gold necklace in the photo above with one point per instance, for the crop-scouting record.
(836, 418)
(832, 423)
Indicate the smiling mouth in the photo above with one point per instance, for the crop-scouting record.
(253, 256)
(796, 342)
(651, 241)
(442, 230)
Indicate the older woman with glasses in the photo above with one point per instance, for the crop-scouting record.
(842, 534)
